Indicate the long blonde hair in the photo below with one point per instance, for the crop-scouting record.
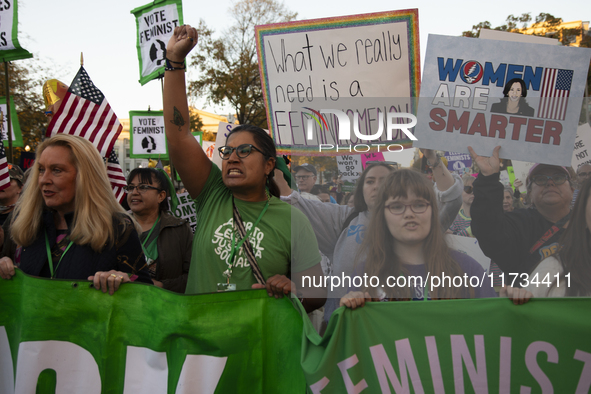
(378, 243)
(94, 203)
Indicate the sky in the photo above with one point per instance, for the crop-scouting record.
(56, 32)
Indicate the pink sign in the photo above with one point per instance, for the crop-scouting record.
(365, 157)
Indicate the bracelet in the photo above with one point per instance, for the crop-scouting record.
(169, 67)
(172, 61)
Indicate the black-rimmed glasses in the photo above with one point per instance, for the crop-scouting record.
(542, 180)
(398, 208)
(140, 188)
(468, 189)
(242, 151)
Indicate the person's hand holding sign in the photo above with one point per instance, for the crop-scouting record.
(487, 165)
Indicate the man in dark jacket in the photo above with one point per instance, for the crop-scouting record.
(517, 241)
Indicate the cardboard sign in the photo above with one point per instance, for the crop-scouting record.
(17, 138)
(360, 65)
(350, 169)
(155, 24)
(582, 146)
(146, 134)
(462, 101)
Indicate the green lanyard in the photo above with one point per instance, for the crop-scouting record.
(153, 255)
(236, 247)
(49, 255)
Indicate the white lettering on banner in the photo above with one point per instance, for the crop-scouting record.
(585, 380)
(317, 387)
(531, 355)
(6, 366)
(461, 355)
(406, 364)
(76, 370)
(145, 371)
(200, 371)
(435, 365)
(505, 365)
(351, 387)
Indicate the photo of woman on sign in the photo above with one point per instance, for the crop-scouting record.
(514, 100)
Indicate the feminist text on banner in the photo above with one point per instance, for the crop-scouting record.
(582, 152)
(86, 113)
(146, 131)
(10, 49)
(17, 138)
(155, 24)
(236, 342)
(453, 346)
(332, 84)
(484, 93)
(186, 210)
(456, 162)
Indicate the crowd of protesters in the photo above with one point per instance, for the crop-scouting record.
(257, 229)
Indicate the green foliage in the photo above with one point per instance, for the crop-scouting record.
(229, 70)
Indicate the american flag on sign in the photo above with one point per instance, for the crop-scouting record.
(4, 175)
(86, 113)
(554, 93)
(116, 177)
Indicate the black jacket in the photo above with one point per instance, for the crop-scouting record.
(508, 237)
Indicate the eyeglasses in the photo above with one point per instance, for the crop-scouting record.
(542, 180)
(584, 174)
(242, 151)
(397, 208)
(140, 188)
(468, 189)
(303, 177)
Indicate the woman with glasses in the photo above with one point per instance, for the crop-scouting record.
(166, 240)
(246, 237)
(68, 225)
(404, 240)
(340, 230)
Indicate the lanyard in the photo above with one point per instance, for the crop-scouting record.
(50, 258)
(236, 247)
(149, 250)
(550, 233)
(150, 233)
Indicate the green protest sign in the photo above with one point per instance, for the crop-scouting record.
(10, 49)
(155, 24)
(63, 336)
(454, 346)
(17, 137)
(146, 135)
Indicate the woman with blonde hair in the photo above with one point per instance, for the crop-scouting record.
(68, 224)
(403, 241)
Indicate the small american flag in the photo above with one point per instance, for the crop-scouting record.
(4, 175)
(554, 93)
(86, 113)
(116, 177)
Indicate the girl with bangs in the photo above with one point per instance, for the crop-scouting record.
(404, 239)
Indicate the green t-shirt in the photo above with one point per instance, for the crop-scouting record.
(284, 236)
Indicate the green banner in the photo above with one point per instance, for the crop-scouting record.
(10, 48)
(17, 137)
(155, 24)
(61, 336)
(454, 346)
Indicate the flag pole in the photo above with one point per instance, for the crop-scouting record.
(9, 123)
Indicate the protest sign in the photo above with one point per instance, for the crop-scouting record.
(10, 48)
(350, 170)
(186, 209)
(361, 65)
(454, 346)
(582, 145)
(17, 138)
(521, 171)
(371, 157)
(456, 162)
(144, 339)
(462, 100)
(155, 24)
(146, 133)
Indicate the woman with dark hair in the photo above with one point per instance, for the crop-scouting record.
(340, 230)
(244, 233)
(166, 240)
(404, 238)
(513, 101)
(567, 273)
